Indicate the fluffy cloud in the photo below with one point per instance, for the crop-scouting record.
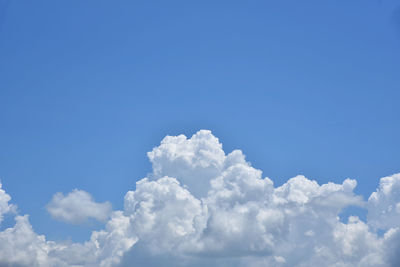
(194, 162)
(202, 207)
(5, 207)
(21, 246)
(384, 204)
(77, 207)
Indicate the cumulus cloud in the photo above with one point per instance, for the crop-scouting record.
(5, 207)
(384, 204)
(202, 207)
(194, 161)
(77, 207)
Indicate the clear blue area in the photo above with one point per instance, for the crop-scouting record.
(88, 87)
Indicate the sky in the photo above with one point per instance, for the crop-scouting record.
(88, 88)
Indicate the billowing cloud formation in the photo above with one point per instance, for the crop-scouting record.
(77, 207)
(194, 162)
(202, 207)
(384, 204)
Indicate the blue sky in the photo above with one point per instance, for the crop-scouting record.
(88, 87)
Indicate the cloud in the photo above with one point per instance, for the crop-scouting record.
(384, 204)
(202, 207)
(5, 207)
(21, 246)
(77, 207)
(194, 161)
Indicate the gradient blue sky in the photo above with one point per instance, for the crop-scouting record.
(88, 87)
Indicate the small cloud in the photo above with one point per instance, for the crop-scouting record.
(77, 207)
(5, 207)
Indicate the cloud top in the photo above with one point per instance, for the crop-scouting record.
(202, 207)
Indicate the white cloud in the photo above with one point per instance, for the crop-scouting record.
(21, 246)
(5, 207)
(163, 214)
(384, 204)
(77, 207)
(201, 207)
(194, 161)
